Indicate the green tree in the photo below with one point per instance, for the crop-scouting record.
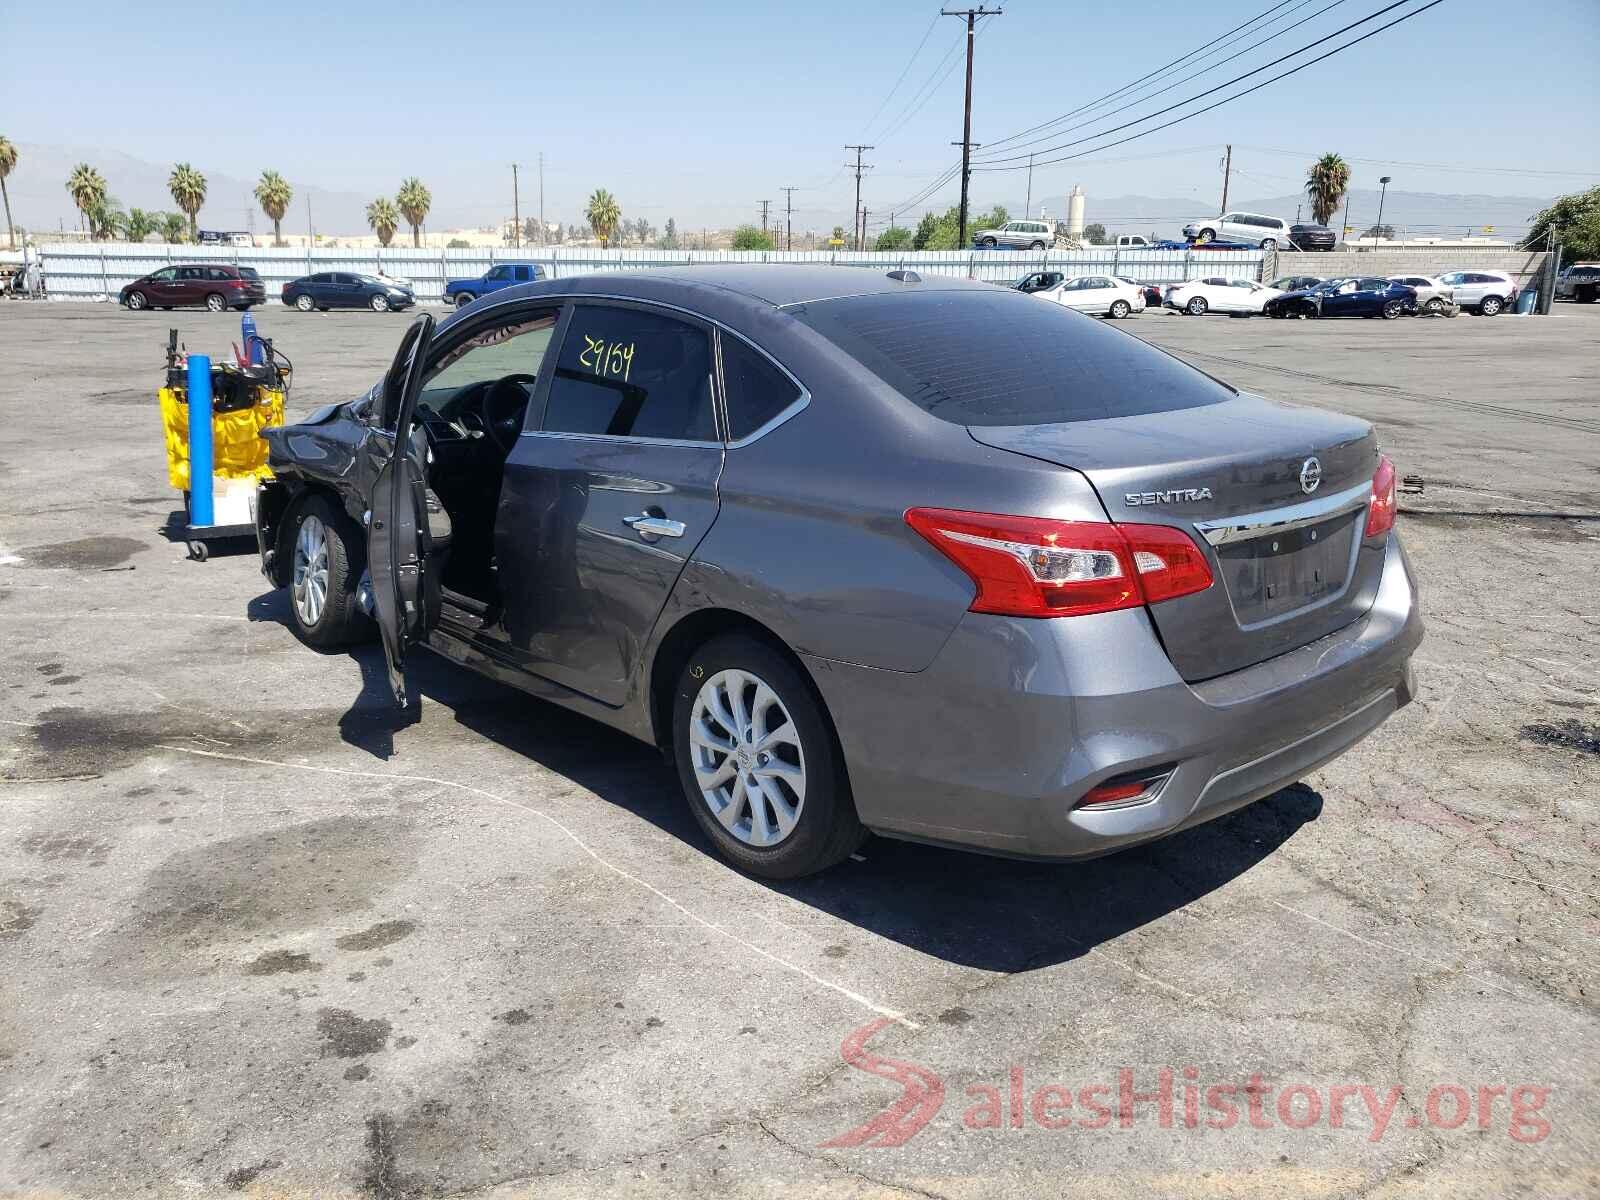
(458, 244)
(87, 188)
(1327, 180)
(925, 231)
(896, 237)
(273, 193)
(188, 188)
(1573, 221)
(172, 227)
(414, 201)
(603, 215)
(1095, 234)
(748, 237)
(669, 240)
(8, 162)
(383, 218)
(141, 224)
(105, 218)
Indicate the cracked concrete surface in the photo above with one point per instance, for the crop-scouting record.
(257, 938)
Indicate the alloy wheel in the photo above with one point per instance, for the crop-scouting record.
(747, 758)
(304, 302)
(136, 300)
(310, 585)
(215, 303)
(1120, 309)
(380, 304)
(1490, 306)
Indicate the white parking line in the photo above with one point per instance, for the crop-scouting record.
(855, 997)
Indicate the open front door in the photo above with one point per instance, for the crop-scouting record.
(398, 546)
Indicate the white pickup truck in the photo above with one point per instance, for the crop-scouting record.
(1126, 241)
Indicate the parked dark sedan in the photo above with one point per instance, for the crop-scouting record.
(1312, 237)
(214, 286)
(862, 551)
(1366, 296)
(343, 289)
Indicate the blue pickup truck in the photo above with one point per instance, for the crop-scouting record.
(461, 292)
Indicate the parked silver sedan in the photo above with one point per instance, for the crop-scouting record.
(862, 552)
(1097, 295)
(1434, 297)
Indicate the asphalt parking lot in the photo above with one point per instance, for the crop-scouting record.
(257, 937)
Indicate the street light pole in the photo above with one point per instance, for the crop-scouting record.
(1383, 190)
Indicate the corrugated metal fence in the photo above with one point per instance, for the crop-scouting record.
(97, 271)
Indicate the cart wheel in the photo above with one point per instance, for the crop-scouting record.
(198, 551)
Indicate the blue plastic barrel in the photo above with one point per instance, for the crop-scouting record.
(200, 451)
(250, 340)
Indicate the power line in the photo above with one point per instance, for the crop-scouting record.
(1133, 102)
(904, 71)
(1397, 162)
(1226, 99)
(1128, 86)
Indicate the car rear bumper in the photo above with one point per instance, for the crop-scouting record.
(995, 743)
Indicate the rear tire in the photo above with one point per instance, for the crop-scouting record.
(327, 555)
(1035, 245)
(1490, 306)
(1269, 243)
(304, 302)
(1392, 309)
(752, 683)
(1433, 307)
(216, 302)
(1197, 306)
(1120, 309)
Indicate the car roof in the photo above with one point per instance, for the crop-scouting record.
(724, 291)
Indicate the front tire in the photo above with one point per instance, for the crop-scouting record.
(1120, 309)
(1490, 306)
(988, 243)
(137, 301)
(327, 556)
(759, 763)
(379, 303)
(1204, 236)
(1197, 306)
(464, 298)
(216, 302)
(1269, 243)
(1433, 307)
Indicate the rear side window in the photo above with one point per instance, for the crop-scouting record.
(626, 372)
(994, 357)
(756, 389)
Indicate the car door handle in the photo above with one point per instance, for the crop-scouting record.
(649, 525)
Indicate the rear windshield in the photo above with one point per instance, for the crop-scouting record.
(249, 273)
(992, 357)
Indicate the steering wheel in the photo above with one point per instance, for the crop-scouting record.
(503, 405)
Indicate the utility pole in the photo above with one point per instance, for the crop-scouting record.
(516, 209)
(860, 167)
(788, 217)
(971, 14)
(1227, 170)
(1027, 209)
(542, 227)
(764, 204)
(1384, 181)
(863, 228)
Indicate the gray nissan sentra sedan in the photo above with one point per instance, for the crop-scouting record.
(863, 551)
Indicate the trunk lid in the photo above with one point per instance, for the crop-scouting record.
(1291, 565)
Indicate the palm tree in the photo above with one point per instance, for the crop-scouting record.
(8, 160)
(603, 214)
(106, 218)
(188, 188)
(171, 226)
(141, 224)
(414, 201)
(87, 187)
(1326, 183)
(273, 193)
(383, 218)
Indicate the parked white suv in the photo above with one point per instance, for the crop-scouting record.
(1267, 232)
(1484, 292)
(1016, 235)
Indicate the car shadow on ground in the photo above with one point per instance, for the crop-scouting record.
(991, 913)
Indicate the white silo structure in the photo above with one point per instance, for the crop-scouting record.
(1075, 212)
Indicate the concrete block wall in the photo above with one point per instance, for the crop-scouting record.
(1522, 265)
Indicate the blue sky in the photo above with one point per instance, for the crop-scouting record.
(699, 111)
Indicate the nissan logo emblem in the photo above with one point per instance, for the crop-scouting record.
(1310, 475)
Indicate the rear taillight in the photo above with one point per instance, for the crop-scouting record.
(1380, 516)
(1126, 789)
(1036, 567)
